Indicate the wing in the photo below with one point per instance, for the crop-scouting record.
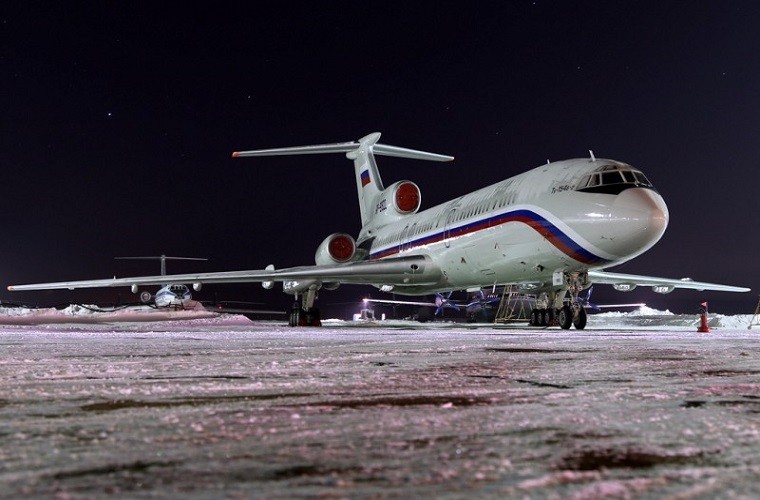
(414, 270)
(627, 282)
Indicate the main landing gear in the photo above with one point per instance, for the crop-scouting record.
(566, 316)
(554, 309)
(304, 317)
(305, 314)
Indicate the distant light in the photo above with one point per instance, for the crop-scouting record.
(110, 114)
(365, 300)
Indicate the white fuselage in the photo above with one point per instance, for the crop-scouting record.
(172, 296)
(568, 216)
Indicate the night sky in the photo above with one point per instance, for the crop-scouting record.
(119, 119)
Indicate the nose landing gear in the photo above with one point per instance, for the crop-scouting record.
(554, 309)
(574, 315)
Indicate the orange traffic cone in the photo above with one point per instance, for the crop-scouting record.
(703, 327)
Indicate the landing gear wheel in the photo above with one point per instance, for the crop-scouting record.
(302, 317)
(533, 317)
(579, 320)
(565, 317)
(295, 316)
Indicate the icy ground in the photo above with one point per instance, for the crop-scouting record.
(85, 314)
(229, 408)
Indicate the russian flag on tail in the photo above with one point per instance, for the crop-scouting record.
(365, 178)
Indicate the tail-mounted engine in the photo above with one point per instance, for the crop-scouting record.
(405, 197)
(400, 199)
(335, 249)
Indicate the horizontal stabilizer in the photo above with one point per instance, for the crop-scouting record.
(385, 150)
(347, 147)
(160, 257)
(341, 147)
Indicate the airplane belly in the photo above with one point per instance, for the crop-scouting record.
(511, 253)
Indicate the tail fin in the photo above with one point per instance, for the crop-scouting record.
(369, 186)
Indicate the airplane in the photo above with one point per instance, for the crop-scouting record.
(551, 230)
(169, 295)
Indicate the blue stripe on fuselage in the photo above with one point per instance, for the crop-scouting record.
(551, 232)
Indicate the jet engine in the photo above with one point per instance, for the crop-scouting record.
(405, 197)
(335, 249)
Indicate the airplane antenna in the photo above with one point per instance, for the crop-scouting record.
(593, 158)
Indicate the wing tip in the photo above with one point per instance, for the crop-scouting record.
(235, 154)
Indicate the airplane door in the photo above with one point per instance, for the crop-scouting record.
(447, 227)
(407, 243)
(402, 243)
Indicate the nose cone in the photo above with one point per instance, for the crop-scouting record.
(641, 217)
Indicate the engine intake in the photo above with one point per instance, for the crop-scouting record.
(335, 249)
(406, 197)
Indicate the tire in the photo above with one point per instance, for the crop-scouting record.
(565, 317)
(579, 320)
(543, 317)
(295, 317)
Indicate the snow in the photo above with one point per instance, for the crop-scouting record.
(640, 311)
(222, 407)
(642, 317)
(91, 314)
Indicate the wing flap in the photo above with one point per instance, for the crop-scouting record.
(608, 278)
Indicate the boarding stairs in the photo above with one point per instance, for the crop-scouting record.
(512, 306)
(755, 321)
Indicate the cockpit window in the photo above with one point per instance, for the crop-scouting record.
(613, 179)
(642, 179)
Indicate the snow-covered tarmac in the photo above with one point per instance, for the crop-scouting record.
(230, 408)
